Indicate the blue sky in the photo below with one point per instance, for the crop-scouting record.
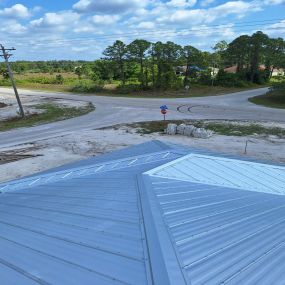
(81, 29)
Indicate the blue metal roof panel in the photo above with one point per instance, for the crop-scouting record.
(222, 234)
(225, 172)
(87, 231)
(100, 223)
(135, 150)
(83, 171)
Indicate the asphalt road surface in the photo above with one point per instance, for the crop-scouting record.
(113, 110)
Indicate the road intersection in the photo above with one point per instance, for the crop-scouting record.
(116, 110)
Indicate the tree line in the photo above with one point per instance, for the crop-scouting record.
(144, 64)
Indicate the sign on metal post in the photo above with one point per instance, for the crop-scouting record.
(163, 110)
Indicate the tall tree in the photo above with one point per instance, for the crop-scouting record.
(157, 54)
(274, 55)
(117, 53)
(166, 56)
(258, 43)
(191, 56)
(238, 52)
(138, 51)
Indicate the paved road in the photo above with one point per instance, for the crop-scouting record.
(114, 110)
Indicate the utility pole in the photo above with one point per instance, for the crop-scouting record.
(6, 56)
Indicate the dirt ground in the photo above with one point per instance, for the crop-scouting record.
(79, 145)
(9, 105)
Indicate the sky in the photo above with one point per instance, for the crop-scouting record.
(82, 29)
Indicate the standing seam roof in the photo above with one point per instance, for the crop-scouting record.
(145, 219)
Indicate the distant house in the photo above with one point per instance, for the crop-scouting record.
(181, 70)
(276, 71)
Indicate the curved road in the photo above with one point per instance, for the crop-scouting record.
(115, 110)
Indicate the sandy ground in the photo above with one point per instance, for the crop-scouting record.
(79, 145)
(29, 103)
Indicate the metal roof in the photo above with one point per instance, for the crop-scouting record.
(119, 219)
(221, 233)
(225, 172)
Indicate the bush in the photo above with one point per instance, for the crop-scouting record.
(278, 86)
(129, 88)
(205, 77)
(277, 78)
(59, 79)
(4, 82)
(277, 93)
(87, 87)
(169, 80)
(229, 80)
(260, 77)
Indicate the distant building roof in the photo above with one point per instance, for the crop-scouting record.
(151, 214)
(233, 69)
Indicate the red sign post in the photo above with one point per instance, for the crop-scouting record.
(163, 110)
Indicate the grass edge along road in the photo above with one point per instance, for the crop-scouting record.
(221, 128)
(274, 98)
(195, 91)
(51, 113)
(267, 101)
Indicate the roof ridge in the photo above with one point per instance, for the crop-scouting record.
(165, 264)
(87, 170)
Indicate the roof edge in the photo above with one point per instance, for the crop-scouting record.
(165, 266)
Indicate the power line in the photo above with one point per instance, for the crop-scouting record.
(176, 34)
(163, 32)
(6, 55)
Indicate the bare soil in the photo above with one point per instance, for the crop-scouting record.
(61, 150)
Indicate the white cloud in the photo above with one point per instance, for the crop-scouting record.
(58, 20)
(105, 19)
(16, 11)
(13, 27)
(188, 16)
(79, 49)
(146, 25)
(107, 7)
(195, 16)
(236, 7)
(276, 30)
(181, 3)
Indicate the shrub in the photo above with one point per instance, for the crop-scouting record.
(129, 88)
(84, 86)
(4, 82)
(278, 86)
(277, 93)
(169, 80)
(205, 77)
(229, 80)
(59, 79)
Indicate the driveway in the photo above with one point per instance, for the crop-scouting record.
(114, 110)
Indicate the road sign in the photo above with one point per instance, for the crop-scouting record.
(163, 110)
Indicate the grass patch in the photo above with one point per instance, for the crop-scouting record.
(51, 113)
(273, 99)
(228, 129)
(194, 91)
(243, 130)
